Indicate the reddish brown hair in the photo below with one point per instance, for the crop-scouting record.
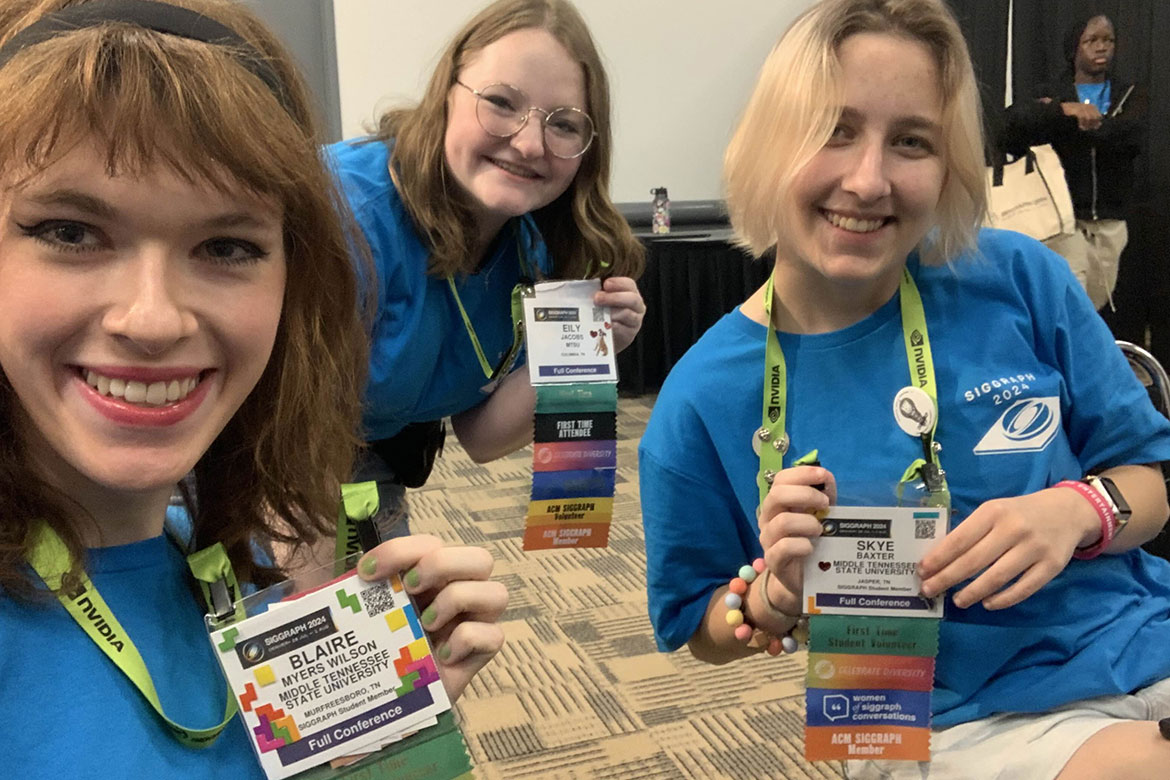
(155, 99)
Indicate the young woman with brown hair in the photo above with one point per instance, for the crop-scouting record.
(499, 174)
(176, 297)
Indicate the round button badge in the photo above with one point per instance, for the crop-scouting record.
(914, 411)
(779, 443)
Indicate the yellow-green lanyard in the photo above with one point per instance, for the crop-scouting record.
(50, 559)
(773, 434)
(359, 503)
(505, 365)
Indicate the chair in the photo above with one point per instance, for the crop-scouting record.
(1157, 384)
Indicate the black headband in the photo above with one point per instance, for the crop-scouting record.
(158, 17)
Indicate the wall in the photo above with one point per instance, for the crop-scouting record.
(680, 74)
(306, 27)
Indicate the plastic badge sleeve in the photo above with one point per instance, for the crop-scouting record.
(327, 667)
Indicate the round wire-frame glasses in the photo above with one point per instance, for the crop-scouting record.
(503, 110)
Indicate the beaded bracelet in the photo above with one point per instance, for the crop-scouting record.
(744, 631)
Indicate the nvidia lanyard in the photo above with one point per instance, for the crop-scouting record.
(50, 559)
(505, 365)
(773, 435)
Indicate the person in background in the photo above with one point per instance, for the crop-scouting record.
(859, 165)
(176, 297)
(499, 175)
(1096, 123)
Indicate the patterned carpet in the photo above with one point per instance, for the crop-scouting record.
(579, 690)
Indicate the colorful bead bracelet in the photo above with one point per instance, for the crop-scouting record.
(745, 632)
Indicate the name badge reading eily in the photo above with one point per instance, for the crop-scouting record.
(572, 368)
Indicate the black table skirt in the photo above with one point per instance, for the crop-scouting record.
(687, 286)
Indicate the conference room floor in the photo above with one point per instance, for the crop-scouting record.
(579, 690)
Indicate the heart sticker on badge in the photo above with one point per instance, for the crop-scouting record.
(825, 565)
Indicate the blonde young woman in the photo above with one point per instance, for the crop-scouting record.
(859, 165)
(175, 295)
(501, 173)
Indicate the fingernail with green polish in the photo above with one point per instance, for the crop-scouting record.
(368, 565)
(412, 578)
(444, 652)
(428, 616)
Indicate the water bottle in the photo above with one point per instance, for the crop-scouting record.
(660, 219)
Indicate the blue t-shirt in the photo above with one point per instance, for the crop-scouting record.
(67, 711)
(1097, 95)
(1032, 390)
(422, 363)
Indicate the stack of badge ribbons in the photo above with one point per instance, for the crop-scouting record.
(870, 675)
(868, 688)
(574, 461)
(574, 455)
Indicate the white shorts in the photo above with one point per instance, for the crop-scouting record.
(1028, 745)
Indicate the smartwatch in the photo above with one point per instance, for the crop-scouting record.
(1112, 494)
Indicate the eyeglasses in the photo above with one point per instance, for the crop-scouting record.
(500, 109)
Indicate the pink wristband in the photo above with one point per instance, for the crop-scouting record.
(1104, 511)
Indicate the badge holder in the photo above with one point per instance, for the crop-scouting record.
(873, 636)
(574, 453)
(334, 678)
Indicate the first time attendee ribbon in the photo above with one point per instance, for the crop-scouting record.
(574, 452)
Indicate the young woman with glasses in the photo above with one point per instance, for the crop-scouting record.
(500, 174)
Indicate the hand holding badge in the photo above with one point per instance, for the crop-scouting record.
(873, 635)
(328, 668)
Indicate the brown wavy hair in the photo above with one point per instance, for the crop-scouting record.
(153, 99)
(584, 232)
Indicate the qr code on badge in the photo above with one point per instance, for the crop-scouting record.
(924, 529)
(378, 599)
(599, 314)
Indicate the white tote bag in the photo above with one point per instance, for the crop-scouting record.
(1030, 196)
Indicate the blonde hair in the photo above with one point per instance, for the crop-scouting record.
(155, 99)
(797, 103)
(584, 232)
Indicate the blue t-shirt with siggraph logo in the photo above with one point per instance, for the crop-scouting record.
(1032, 390)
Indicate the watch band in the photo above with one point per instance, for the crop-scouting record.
(1108, 488)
